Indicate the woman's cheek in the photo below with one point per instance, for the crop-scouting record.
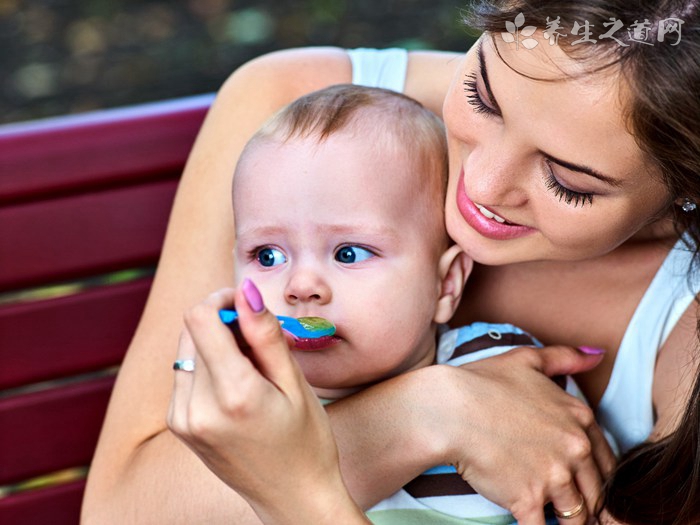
(581, 239)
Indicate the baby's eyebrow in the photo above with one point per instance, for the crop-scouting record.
(259, 231)
(354, 230)
(360, 230)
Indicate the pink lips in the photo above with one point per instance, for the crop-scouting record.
(489, 228)
(312, 345)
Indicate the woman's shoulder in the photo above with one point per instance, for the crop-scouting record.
(282, 76)
(429, 75)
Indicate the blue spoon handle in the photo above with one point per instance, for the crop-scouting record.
(289, 324)
(228, 316)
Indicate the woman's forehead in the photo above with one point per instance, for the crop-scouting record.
(552, 64)
(567, 111)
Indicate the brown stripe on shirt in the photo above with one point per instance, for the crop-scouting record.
(487, 341)
(506, 339)
(428, 485)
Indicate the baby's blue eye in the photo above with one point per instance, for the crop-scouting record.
(270, 257)
(352, 254)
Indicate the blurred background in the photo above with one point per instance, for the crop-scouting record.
(63, 56)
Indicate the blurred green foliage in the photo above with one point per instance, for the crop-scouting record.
(62, 56)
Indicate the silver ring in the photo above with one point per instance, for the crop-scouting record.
(186, 365)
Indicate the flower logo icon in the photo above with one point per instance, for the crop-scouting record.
(515, 34)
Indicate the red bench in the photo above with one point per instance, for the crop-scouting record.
(84, 202)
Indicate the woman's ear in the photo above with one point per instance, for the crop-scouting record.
(454, 267)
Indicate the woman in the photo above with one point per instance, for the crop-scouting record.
(572, 171)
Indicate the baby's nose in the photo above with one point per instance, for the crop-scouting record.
(307, 286)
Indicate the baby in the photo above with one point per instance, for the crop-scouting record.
(338, 205)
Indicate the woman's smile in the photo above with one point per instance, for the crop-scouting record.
(484, 221)
(489, 214)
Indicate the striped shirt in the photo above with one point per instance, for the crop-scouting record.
(440, 495)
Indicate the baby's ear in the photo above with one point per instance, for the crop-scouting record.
(454, 267)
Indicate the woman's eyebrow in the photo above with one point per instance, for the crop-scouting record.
(485, 76)
(564, 164)
(583, 169)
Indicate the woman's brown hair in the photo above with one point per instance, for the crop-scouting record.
(654, 483)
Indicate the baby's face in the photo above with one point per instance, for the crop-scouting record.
(340, 231)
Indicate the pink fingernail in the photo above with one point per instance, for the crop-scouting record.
(252, 295)
(590, 350)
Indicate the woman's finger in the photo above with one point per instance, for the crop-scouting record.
(592, 473)
(531, 516)
(262, 331)
(589, 484)
(218, 353)
(559, 360)
(182, 383)
(603, 454)
(570, 506)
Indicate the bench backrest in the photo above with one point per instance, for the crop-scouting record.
(84, 202)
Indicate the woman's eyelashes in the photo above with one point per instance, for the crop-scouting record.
(474, 98)
(569, 196)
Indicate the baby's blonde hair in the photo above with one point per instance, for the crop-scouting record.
(346, 106)
(389, 119)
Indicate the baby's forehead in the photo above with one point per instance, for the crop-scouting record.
(363, 159)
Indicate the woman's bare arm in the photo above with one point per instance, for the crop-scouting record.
(675, 374)
(140, 472)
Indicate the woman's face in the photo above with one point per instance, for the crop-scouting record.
(543, 170)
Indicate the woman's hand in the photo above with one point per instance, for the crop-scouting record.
(252, 418)
(526, 442)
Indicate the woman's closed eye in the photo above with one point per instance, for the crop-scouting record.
(569, 196)
(487, 106)
(269, 257)
(350, 254)
(474, 98)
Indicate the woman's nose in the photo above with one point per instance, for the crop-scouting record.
(494, 174)
(306, 286)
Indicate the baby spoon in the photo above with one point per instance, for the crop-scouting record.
(301, 328)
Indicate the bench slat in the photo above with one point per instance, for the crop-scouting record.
(80, 196)
(87, 331)
(51, 430)
(84, 235)
(53, 156)
(60, 504)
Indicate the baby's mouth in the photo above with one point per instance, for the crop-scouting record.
(490, 215)
(319, 343)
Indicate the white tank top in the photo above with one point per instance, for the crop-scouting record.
(626, 408)
(384, 68)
